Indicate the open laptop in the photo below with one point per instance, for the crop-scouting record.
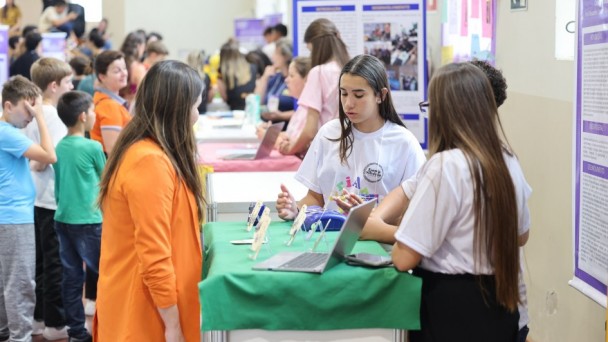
(319, 262)
(263, 150)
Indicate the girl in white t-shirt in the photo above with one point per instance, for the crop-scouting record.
(466, 216)
(319, 98)
(367, 151)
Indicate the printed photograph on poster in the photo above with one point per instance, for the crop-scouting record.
(377, 32)
(519, 5)
(396, 45)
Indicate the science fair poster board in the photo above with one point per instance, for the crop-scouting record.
(591, 152)
(392, 30)
(468, 30)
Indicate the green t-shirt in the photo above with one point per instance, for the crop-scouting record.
(80, 162)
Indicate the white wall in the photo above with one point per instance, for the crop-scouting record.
(538, 116)
(185, 24)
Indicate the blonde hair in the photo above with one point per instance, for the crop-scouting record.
(196, 60)
(48, 70)
(234, 68)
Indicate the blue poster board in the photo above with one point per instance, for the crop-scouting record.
(392, 30)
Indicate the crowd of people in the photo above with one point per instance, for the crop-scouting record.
(105, 176)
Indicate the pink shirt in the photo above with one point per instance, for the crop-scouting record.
(297, 122)
(320, 93)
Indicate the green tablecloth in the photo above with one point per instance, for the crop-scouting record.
(233, 296)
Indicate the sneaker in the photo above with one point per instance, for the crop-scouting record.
(37, 328)
(89, 308)
(86, 338)
(53, 334)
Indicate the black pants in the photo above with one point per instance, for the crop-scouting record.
(453, 308)
(90, 284)
(49, 303)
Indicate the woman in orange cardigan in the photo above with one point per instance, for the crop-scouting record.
(151, 198)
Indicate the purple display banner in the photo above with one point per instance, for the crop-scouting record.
(600, 37)
(393, 7)
(598, 128)
(273, 19)
(590, 13)
(337, 8)
(595, 170)
(249, 31)
(53, 45)
(3, 54)
(593, 13)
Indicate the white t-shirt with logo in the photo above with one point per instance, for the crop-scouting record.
(379, 162)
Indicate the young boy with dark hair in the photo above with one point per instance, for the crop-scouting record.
(54, 78)
(22, 102)
(78, 218)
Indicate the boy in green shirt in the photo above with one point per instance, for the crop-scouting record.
(78, 218)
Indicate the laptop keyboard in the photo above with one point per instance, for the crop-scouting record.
(306, 261)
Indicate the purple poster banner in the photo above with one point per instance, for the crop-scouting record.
(593, 13)
(53, 45)
(589, 177)
(598, 128)
(273, 19)
(249, 32)
(3, 54)
(600, 37)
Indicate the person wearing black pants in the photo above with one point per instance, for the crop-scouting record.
(49, 303)
(90, 291)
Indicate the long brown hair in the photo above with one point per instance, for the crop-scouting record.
(372, 70)
(163, 105)
(463, 115)
(326, 43)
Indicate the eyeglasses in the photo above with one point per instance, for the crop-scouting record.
(424, 105)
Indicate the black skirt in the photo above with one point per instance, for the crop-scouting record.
(454, 309)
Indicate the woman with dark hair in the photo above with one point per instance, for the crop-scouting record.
(111, 114)
(320, 96)
(375, 150)
(151, 198)
(466, 216)
(237, 76)
(10, 15)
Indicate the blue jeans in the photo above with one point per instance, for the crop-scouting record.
(78, 243)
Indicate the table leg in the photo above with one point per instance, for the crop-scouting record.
(215, 336)
(400, 335)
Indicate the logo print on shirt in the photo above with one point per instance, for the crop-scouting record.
(373, 172)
